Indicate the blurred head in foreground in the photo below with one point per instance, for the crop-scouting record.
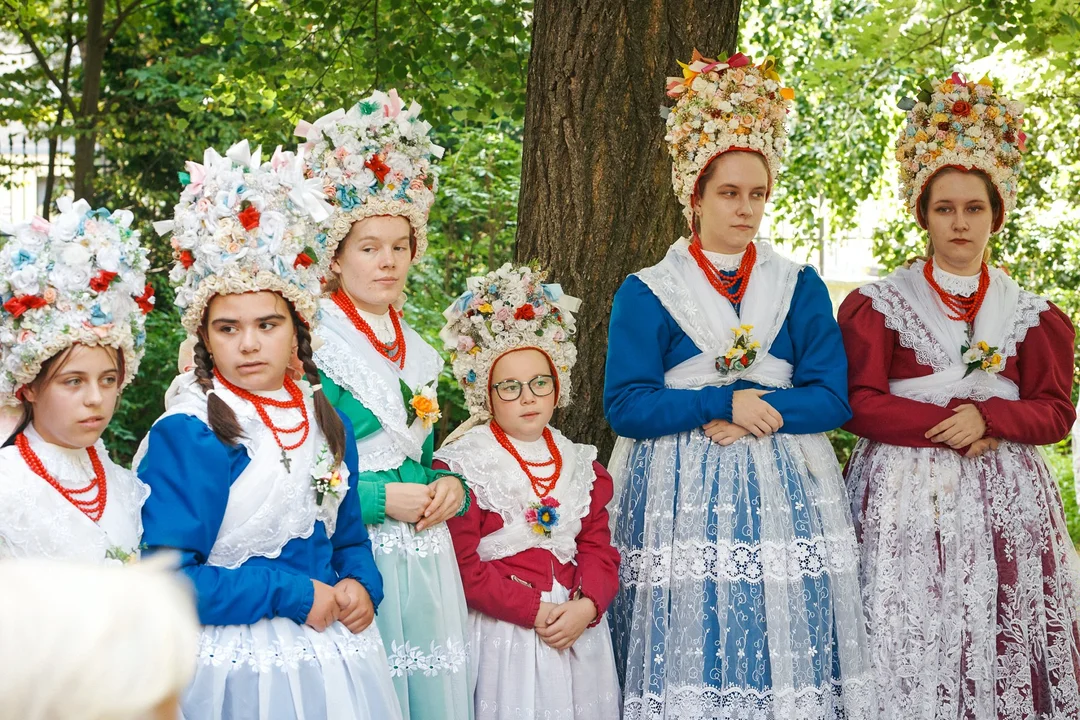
(85, 642)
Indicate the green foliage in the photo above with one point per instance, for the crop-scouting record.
(1060, 461)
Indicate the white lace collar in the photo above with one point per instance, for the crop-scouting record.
(962, 285)
(723, 261)
(70, 467)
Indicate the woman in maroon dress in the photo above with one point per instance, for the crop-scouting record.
(971, 584)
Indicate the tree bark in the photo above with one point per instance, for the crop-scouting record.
(596, 200)
(93, 57)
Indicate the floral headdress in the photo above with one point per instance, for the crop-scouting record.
(243, 226)
(375, 159)
(721, 106)
(962, 124)
(78, 279)
(508, 309)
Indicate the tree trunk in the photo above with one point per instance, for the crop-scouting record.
(596, 200)
(93, 56)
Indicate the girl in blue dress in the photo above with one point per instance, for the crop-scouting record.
(252, 477)
(739, 589)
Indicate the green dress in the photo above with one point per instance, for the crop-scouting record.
(423, 616)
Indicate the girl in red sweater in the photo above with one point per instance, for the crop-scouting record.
(534, 546)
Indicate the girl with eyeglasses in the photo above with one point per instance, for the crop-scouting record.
(534, 547)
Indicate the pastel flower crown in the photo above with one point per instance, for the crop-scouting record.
(720, 106)
(508, 309)
(961, 124)
(243, 226)
(78, 279)
(375, 159)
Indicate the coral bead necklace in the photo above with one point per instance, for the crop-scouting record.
(541, 486)
(724, 284)
(295, 402)
(959, 308)
(393, 351)
(92, 508)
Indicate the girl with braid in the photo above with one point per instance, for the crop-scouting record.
(376, 163)
(252, 479)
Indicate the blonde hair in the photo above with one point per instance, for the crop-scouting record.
(90, 642)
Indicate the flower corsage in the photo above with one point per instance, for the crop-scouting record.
(981, 356)
(543, 516)
(326, 476)
(423, 403)
(124, 556)
(742, 354)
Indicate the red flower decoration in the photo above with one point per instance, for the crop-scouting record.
(186, 259)
(146, 300)
(302, 260)
(744, 360)
(943, 126)
(376, 165)
(1023, 139)
(1008, 137)
(101, 282)
(18, 305)
(525, 312)
(549, 502)
(738, 60)
(248, 217)
(961, 108)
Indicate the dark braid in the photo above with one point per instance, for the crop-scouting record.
(325, 414)
(221, 417)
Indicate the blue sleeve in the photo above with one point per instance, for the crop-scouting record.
(190, 472)
(636, 403)
(819, 399)
(352, 547)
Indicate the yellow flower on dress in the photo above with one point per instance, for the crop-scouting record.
(425, 403)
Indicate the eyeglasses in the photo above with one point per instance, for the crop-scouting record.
(510, 390)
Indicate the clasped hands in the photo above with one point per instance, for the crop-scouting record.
(750, 415)
(559, 625)
(348, 601)
(965, 428)
(425, 505)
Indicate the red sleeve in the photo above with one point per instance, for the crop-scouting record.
(876, 413)
(486, 590)
(1044, 413)
(597, 574)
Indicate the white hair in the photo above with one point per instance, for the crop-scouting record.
(89, 642)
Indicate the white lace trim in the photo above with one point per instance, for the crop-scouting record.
(311, 649)
(1000, 604)
(724, 261)
(381, 324)
(707, 318)
(407, 659)
(962, 285)
(850, 700)
(915, 334)
(499, 485)
(37, 521)
(267, 505)
(401, 538)
(348, 359)
(739, 561)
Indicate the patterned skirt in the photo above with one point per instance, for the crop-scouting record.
(739, 591)
(971, 584)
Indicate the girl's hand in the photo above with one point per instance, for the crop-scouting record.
(566, 623)
(354, 605)
(981, 446)
(723, 432)
(324, 609)
(408, 501)
(962, 429)
(543, 614)
(449, 494)
(748, 410)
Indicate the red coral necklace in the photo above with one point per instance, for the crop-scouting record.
(295, 401)
(92, 508)
(722, 283)
(965, 308)
(541, 486)
(393, 351)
